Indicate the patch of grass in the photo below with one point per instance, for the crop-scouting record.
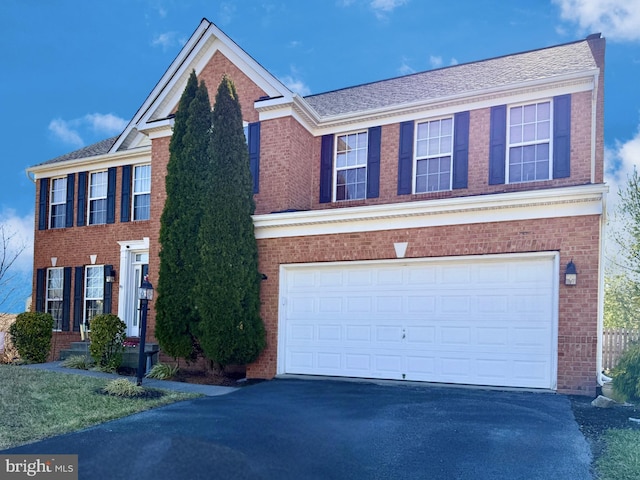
(36, 404)
(80, 362)
(621, 458)
(163, 371)
(121, 387)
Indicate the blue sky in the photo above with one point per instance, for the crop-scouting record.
(75, 71)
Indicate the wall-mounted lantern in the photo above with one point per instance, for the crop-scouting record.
(571, 274)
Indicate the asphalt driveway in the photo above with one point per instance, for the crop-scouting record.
(312, 429)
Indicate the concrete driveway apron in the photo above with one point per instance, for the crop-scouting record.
(322, 429)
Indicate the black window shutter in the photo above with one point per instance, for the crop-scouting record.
(461, 150)
(562, 136)
(108, 292)
(111, 195)
(254, 154)
(125, 205)
(68, 219)
(41, 275)
(42, 204)
(373, 162)
(326, 168)
(78, 306)
(497, 145)
(66, 299)
(82, 199)
(405, 158)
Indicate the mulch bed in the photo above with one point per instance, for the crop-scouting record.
(594, 421)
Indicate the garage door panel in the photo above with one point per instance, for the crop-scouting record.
(483, 322)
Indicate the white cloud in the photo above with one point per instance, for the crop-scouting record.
(387, 5)
(69, 131)
(63, 131)
(616, 19)
(165, 40)
(106, 123)
(405, 68)
(19, 233)
(435, 61)
(226, 12)
(295, 83)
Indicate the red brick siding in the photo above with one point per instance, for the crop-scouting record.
(575, 238)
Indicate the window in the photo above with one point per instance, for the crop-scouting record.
(351, 166)
(98, 198)
(93, 292)
(53, 302)
(529, 142)
(58, 203)
(434, 147)
(142, 192)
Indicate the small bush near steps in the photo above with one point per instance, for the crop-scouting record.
(107, 338)
(79, 362)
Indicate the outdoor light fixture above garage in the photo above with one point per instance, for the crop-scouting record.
(570, 274)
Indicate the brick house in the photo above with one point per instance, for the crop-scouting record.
(414, 228)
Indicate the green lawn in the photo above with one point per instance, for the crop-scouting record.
(36, 404)
(621, 459)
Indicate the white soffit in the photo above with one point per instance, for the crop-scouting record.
(500, 207)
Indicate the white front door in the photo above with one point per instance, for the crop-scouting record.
(138, 267)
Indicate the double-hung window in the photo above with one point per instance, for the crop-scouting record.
(434, 154)
(58, 203)
(142, 192)
(351, 166)
(93, 292)
(98, 182)
(529, 142)
(54, 291)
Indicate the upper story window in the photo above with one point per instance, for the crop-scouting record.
(58, 203)
(351, 166)
(98, 182)
(54, 291)
(142, 192)
(434, 154)
(529, 143)
(93, 292)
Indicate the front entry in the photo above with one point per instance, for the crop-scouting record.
(138, 268)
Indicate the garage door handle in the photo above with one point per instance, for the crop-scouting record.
(403, 334)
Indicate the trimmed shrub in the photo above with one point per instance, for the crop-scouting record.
(107, 338)
(79, 362)
(31, 335)
(626, 375)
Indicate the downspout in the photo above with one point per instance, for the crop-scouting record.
(601, 377)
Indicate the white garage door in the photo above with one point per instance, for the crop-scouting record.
(469, 320)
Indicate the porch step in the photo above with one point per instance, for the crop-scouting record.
(129, 356)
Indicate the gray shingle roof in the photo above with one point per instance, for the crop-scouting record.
(459, 79)
(99, 148)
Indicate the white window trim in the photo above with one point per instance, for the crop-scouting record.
(134, 194)
(414, 178)
(52, 204)
(336, 169)
(48, 299)
(91, 199)
(87, 298)
(508, 140)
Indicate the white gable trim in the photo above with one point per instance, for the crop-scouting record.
(205, 41)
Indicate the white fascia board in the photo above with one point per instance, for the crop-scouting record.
(499, 207)
(441, 106)
(134, 156)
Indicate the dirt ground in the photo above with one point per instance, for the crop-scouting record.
(594, 421)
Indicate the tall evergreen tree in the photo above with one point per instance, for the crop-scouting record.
(176, 315)
(228, 285)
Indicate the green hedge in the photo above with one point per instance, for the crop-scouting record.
(31, 335)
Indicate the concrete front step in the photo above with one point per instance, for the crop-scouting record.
(130, 355)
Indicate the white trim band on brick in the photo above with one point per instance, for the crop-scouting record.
(499, 207)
